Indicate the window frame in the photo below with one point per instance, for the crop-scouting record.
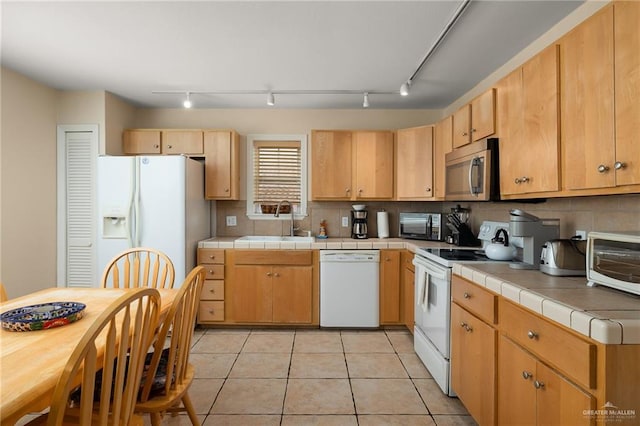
(251, 139)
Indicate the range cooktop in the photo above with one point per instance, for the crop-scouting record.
(449, 256)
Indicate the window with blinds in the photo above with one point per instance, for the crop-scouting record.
(278, 171)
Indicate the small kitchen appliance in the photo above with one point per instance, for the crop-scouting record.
(471, 172)
(534, 232)
(564, 257)
(423, 226)
(359, 224)
(613, 260)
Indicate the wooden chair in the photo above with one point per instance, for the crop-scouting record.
(3, 293)
(171, 353)
(132, 319)
(139, 267)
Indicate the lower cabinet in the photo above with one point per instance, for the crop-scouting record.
(407, 282)
(272, 287)
(531, 393)
(390, 302)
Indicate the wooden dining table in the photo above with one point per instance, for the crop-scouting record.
(32, 361)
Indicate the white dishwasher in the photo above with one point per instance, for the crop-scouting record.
(349, 288)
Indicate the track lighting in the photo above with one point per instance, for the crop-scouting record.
(271, 101)
(404, 89)
(365, 101)
(187, 102)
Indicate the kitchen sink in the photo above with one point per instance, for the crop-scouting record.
(275, 238)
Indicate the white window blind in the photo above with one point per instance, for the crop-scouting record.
(277, 172)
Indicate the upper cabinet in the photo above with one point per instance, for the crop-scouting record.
(414, 163)
(137, 142)
(476, 120)
(222, 164)
(527, 123)
(627, 96)
(351, 165)
(442, 144)
(587, 113)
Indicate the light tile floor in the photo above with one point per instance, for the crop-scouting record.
(314, 377)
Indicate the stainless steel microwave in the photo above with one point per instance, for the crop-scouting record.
(613, 260)
(423, 226)
(471, 172)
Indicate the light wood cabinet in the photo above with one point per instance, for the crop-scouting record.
(351, 165)
(473, 348)
(390, 301)
(528, 126)
(442, 144)
(211, 307)
(408, 289)
(537, 395)
(222, 165)
(373, 159)
(475, 120)
(414, 163)
(331, 164)
(587, 113)
(137, 142)
(627, 92)
(272, 287)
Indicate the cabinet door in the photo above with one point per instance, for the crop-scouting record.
(587, 114)
(627, 86)
(559, 402)
(483, 115)
(390, 287)
(331, 165)
(510, 122)
(473, 364)
(517, 394)
(141, 142)
(222, 175)
(374, 165)
(442, 144)
(252, 294)
(182, 142)
(462, 126)
(408, 291)
(292, 294)
(414, 163)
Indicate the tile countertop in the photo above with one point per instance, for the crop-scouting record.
(606, 315)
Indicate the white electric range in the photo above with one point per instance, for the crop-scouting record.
(433, 301)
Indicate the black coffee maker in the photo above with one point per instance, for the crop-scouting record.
(359, 223)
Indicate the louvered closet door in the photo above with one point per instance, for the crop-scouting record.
(80, 158)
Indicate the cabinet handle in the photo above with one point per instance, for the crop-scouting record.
(619, 165)
(212, 312)
(466, 295)
(538, 384)
(276, 274)
(169, 146)
(526, 375)
(466, 326)
(532, 334)
(464, 134)
(212, 291)
(602, 168)
(156, 145)
(359, 191)
(226, 190)
(211, 257)
(523, 179)
(347, 190)
(428, 189)
(463, 324)
(269, 274)
(211, 271)
(473, 130)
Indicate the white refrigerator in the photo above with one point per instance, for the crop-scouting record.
(152, 201)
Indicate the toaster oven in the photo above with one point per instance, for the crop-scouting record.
(613, 260)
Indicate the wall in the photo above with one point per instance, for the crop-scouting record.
(28, 184)
(119, 115)
(84, 108)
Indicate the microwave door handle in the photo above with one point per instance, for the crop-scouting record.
(471, 165)
(474, 166)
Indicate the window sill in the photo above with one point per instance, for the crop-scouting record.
(283, 216)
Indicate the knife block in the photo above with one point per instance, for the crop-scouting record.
(464, 237)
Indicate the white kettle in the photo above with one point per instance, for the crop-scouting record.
(499, 249)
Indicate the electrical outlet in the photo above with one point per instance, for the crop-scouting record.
(345, 221)
(231, 221)
(581, 234)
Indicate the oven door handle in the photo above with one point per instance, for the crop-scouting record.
(437, 272)
(423, 293)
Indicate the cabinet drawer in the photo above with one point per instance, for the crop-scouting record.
(212, 290)
(475, 299)
(211, 311)
(273, 257)
(210, 256)
(560, 348)
(214, 272)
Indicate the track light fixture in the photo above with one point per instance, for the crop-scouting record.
(187, 102)
(404, 89)
(271, 101)
(365, 101)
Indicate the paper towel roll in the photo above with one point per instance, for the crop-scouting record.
(383, 225)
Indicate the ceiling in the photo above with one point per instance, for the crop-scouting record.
(133, 49)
